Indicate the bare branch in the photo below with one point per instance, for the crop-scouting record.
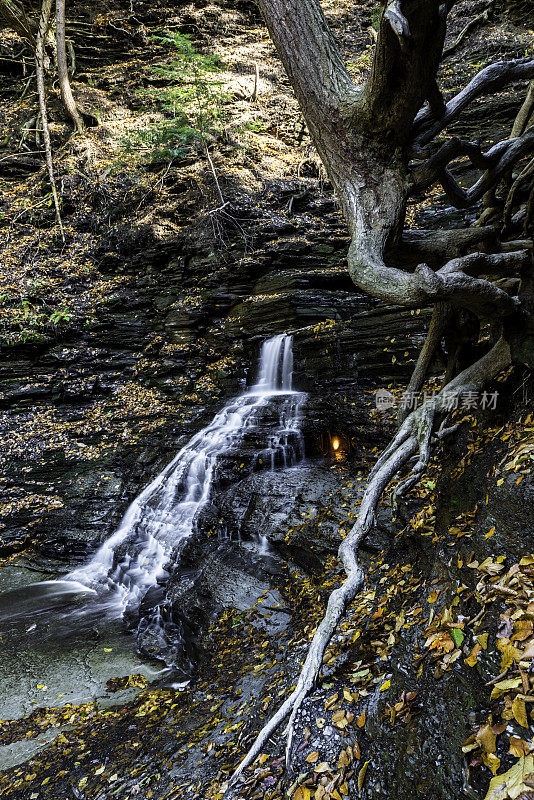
(488, 80)
(497, 161)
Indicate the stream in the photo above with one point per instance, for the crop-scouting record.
(63, 639)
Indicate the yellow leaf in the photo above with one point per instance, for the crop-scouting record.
(482, 639)
(472, 658)
(502, 687)
(511, 784)
(361, 775)
(312, 758)
(330, 701)
(385, 686)
(491, 761)
(489, 533)
(520, 711)
(509, 653)
(360, 721)
(486, 738)
(518, 747)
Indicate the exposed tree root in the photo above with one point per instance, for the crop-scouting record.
(414, 437)
(436, 330)
(365, 138)
(488, 80)
(452, 283)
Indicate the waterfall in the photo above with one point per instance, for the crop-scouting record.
(134, 558)
(276, 365)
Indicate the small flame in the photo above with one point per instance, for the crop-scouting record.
(335, 443)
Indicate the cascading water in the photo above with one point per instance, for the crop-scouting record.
(135, 557)
(64, 632)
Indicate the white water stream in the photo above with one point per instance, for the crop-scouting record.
(134, 558)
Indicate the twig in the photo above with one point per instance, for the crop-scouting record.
(210, 162)
(255, 91)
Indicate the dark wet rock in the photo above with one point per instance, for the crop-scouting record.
(270, 503)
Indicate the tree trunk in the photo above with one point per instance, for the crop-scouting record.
(44, 21)
(63, 74)
(367, 138)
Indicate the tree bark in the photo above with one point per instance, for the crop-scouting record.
(44, 21)
(365, 137)
(63, 73)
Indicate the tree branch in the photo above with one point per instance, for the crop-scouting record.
(497, 161)
(488, 80)
(423, 286)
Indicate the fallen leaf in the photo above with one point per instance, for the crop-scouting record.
(511, 784)
(520, 712)
(472, 658)
(518, 747)
(361, 775)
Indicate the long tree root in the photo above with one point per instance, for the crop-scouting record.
(436, 330)
(414, 437)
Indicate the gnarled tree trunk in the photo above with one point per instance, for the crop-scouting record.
(378, 144)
